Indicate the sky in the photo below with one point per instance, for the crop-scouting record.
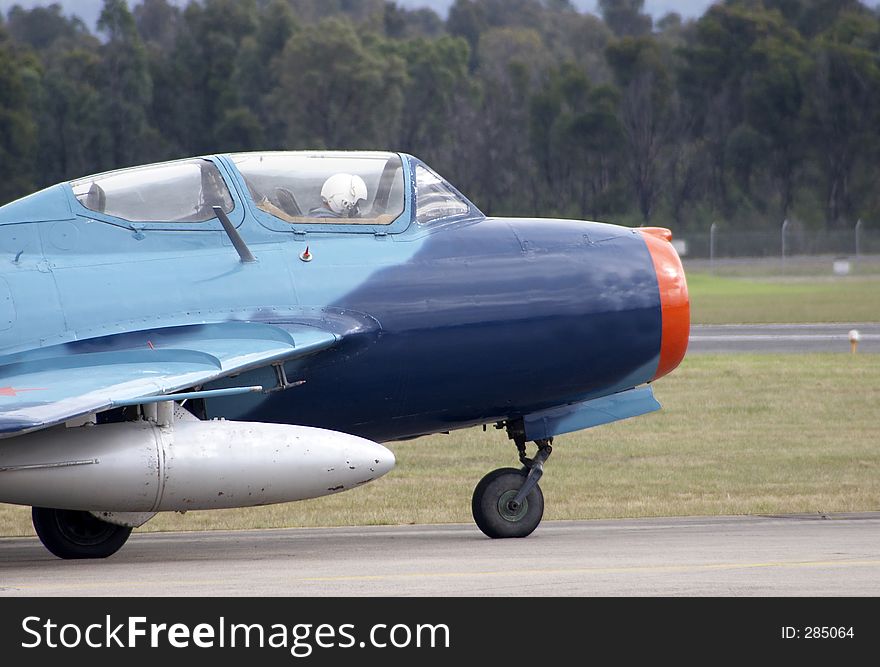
(88, 10)
(656, 8)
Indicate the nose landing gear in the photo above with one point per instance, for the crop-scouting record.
(508, 502)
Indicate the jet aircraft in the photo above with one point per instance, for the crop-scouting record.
(245, 329)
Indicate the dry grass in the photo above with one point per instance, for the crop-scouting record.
(738, 435)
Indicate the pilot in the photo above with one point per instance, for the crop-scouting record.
(341, 197)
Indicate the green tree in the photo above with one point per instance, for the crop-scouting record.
(60, 78)
(746, 149)
(402, 23)
(162, 28)
(159, 23)
(467, 19)
(812, 17)
(773, 98)
(257, 73)
(338, 88)
(369, 13)
(574, 138)
(41, 27)
(844, 80)
(740, 65)
(530, 106)
(74, 138)
(125, 85)
(646, 114)
(625, 17)
(512, 62)
(18, 130)
(206, 100)
(436, 83)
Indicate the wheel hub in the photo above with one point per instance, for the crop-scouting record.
(511, 510)
(82, 528)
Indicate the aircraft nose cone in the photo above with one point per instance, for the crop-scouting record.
(374, 457)
(674, 301)
(365, 460)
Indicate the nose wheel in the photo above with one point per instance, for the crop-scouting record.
(495, 508)
(508, 501)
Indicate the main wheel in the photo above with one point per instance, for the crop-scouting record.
(76, 534)
(493, 507)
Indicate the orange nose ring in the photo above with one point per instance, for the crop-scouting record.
(674, 303)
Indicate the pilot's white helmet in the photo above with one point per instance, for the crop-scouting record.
(342, 193)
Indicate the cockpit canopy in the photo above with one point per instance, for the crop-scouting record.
(183, 191)
(305, 187)
(364, 189)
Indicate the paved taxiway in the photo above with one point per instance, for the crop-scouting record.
(795, 555)
(732, 338)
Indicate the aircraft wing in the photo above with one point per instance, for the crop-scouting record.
(47, 386)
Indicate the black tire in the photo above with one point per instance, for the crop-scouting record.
(76, 534)
(492, 514)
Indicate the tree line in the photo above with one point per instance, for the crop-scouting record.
(756, 111)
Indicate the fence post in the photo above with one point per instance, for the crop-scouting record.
(784, 227)
(858, 239)
(712, 229)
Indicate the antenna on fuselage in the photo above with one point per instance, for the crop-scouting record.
(237, 242)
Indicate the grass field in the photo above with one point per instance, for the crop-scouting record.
(738, 434)
(720, 299)
(804, 289)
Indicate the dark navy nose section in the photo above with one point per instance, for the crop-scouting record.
(491, 320)
(600, 282)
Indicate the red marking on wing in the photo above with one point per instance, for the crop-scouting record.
(12, 391)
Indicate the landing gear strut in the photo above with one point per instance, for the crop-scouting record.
(508, 502)
(75, 534)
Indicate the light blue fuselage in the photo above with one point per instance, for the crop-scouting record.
(462, 322)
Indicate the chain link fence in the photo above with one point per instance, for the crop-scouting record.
(787, 240)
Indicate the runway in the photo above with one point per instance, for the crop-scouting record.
(800, 555)
(795, 338)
